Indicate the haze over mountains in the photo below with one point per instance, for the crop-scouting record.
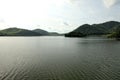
(111, 29)
(25, 32)
(43, 32)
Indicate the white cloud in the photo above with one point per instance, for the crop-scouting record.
(76, 2)
(110, 3)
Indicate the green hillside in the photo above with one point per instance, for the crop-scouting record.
(95, 29)
(115, 32)
(45, 33)
(18, 32)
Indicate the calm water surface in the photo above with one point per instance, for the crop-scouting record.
(59, 58)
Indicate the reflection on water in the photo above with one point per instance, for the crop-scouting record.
(59, 58)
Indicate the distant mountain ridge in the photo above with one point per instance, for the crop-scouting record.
(95, 29)
(18, 32)
(40, 31)
(46, 33)
(24, 32)
(111, 28)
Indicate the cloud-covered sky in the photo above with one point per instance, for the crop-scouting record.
(56, 15)
(110, 3)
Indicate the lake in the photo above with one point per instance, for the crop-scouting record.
(59, 58)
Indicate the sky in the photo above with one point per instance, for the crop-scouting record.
(57, 15)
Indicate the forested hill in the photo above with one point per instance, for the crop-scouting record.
(25, 32)
(18, 32)
(95, 29)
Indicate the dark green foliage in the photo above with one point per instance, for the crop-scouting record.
(2, 34)
(115, 32)
(75, 34)
(95, 29)
(89, 30)
(118, 33)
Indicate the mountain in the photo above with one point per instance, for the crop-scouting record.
(75, 34)
(95, 29)
(107, 27)
(40, 31)
(2, 34)
(115, 32)
(54, 34)
(18, 32)
(25, 32)
(45, 33)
